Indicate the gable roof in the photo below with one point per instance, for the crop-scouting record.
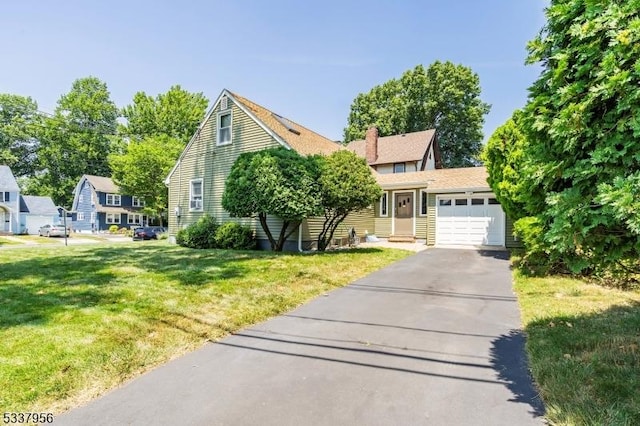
(438, 180)
(286, 132)
(397, 148)
(299, 138)
(101, 183)
(42, 206)
(7, 180)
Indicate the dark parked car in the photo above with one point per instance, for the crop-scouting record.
(147, 233)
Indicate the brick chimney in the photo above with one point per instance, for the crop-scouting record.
(371, 143)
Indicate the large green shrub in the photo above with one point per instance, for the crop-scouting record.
(199, 235)
(234, 236)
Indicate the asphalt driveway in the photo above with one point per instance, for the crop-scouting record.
(432, 340)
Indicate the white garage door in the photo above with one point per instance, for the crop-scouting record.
(33, 223)
(469, 220)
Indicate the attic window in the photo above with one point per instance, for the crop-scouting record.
(224, 128)
(224, 103)
(286, 123)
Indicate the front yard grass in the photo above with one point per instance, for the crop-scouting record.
(583, 342)
(77, 321)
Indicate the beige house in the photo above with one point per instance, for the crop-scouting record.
(421, 200)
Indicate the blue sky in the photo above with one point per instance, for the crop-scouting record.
(304, 60)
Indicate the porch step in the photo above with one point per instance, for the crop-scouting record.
(402, 239)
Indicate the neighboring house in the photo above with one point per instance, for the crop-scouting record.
(37, 211)
(98, 204)
(21, 214)
(421, 201)
(408, 152)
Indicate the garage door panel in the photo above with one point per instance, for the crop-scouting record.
(469, 222)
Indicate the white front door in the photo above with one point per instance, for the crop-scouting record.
(469, 220)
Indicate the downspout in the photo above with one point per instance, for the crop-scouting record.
(300, 237)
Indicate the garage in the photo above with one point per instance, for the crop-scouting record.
(475, 219)
(33, 223)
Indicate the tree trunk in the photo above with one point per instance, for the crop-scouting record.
(265, 228)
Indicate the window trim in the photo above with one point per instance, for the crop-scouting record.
(114, 216)
(404, 167)
(424, 204)
(113, 201)
(6, 197)
(80, 216)
(219, 120)
(191, 199)
(136, 201)
(384, 204)
(134, 215)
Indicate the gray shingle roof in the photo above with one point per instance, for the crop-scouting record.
(41, 206)
(103, 184)
(7, 180)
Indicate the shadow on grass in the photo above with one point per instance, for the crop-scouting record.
(588, 366)
(42, 282)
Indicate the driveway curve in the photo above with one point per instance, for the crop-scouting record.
(433, 339)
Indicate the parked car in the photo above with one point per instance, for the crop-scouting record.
(158, 229)
(146, 233)
(54, 231)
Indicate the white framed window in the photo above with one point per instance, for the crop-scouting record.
(93, 217)
(80, 215)
(134, 219)
(114, 200)
(399, 168)
(113, 218)
(137, 202)
(423, 203)
(195, 195)
(384, 204)
(5, 197)
(224, 128)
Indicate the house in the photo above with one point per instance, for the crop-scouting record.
(22, 214)
(421, 200)
(98, 204)
(232, 126)
(405, 153)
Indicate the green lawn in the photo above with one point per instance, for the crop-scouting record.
(584, 349)
(77, 321)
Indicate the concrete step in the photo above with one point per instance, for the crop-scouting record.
(402, 239)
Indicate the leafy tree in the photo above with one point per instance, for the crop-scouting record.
(142, 168)
(275, 182)
(20, 126)
(77, 139)
(445, 96)
(347, 186)
(503, 157)
(176, 113)
(582, 156)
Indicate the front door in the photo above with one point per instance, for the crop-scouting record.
(403, 209)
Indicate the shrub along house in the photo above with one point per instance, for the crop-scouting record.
(98, 205)
(421, 201)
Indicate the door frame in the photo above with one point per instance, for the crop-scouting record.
(393, 213)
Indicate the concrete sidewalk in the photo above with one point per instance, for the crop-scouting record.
(433, 339)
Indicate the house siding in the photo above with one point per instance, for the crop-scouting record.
(86, 207)
(205, 160)
(362, 221)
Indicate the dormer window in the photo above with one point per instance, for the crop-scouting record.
(399, 168)
(113, 200)
(136, 202)
(224, 128)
